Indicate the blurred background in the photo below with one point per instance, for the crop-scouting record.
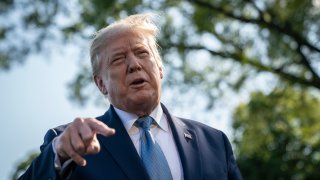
(250, 68)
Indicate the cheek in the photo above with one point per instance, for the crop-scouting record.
(116, 82)
(156, 79)
(157, 73)
(116, 74)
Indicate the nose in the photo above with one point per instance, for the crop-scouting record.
(133, 63)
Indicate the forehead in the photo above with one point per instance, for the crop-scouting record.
(127, 40)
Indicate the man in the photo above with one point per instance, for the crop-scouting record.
(137, 138)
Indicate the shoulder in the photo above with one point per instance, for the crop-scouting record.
(198, 126)
(206, 133)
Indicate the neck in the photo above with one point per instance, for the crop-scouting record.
(140, 110)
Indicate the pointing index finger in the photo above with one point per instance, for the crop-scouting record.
(101, 128)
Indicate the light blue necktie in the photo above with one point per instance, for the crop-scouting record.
(151, 154)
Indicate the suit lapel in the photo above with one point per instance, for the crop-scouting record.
(187, 143)
(121, 147)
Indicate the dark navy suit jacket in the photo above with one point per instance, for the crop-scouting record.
(205, 153)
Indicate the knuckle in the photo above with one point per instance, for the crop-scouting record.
(79, 148)
(78, 120)
(87, 136)
(90, 119)
(93, 121)
(60, 142)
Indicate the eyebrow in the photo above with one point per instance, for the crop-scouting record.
(117, 51)
(140, 46)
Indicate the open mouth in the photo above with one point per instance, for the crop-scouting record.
(138, 82)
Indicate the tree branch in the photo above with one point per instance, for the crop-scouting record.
(307, 64)
(279, 71)
(256, 7)
(239, 57)
(261, 21)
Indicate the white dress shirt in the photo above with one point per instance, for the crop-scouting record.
(162, 134)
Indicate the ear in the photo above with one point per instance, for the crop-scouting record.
(99, 83)
(161, 72)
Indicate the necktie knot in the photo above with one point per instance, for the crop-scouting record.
(145, 122)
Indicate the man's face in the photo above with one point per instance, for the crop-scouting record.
(130, 74)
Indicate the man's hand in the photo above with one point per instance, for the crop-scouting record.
(80, 138)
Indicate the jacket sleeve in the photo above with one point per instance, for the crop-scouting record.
(233, 170)
(43, 166)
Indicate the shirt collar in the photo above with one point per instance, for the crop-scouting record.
(128, 119)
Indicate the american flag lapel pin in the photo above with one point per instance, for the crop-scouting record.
(187, 136)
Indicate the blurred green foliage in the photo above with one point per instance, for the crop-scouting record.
(23, 165)
(278, 135)
(208, 45)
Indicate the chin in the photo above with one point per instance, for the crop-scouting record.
(144, 98)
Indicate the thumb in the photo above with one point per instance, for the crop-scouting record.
(93, 147)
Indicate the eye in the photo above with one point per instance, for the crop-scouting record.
(117, 59)
(143, 53)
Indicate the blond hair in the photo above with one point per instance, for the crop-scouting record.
(139, 23)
